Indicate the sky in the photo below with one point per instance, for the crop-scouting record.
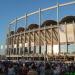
(10, 9)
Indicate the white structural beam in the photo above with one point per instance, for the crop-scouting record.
(49, 8)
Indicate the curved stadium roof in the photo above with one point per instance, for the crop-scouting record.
(20, 29)
(33, 26)
(67, 19)
(48, 23)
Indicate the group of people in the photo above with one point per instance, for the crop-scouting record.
(34, 68)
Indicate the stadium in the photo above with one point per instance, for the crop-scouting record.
(49, 40)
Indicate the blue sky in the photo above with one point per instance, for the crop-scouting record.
(10, 9)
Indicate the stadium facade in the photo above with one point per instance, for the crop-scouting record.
(49, 40)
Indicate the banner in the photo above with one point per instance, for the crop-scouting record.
(70, 33)
(15, 45)
(66, 33)
(20, 45)
(26, 44)
(32, 43)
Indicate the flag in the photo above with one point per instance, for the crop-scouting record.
(62, 28)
